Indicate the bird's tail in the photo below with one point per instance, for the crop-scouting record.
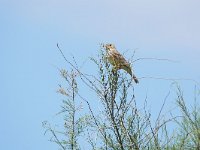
(135, 79)
(128, 69)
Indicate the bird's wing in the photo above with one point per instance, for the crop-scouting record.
(119, 57)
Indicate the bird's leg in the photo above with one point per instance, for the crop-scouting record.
(114, 70)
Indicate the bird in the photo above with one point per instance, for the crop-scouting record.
(118, 61)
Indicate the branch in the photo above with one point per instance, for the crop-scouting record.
(172, 79)
(159, 59)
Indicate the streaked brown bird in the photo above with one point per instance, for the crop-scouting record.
(118, 61)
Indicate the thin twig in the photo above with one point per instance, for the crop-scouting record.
(158, 118)
(171, 79)
(152, 58)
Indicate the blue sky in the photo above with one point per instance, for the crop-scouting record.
(31, 29)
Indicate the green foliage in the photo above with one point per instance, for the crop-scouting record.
(73, 125)
(120, 124)
(189, 126)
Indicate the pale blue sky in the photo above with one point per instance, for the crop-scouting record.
(29, 31)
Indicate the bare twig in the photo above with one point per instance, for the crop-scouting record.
(171, 79)
(159, 59)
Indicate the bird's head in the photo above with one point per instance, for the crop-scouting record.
(109, 46)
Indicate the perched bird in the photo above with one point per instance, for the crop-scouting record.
(118, 61)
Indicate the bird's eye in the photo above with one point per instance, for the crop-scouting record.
(110, 44)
